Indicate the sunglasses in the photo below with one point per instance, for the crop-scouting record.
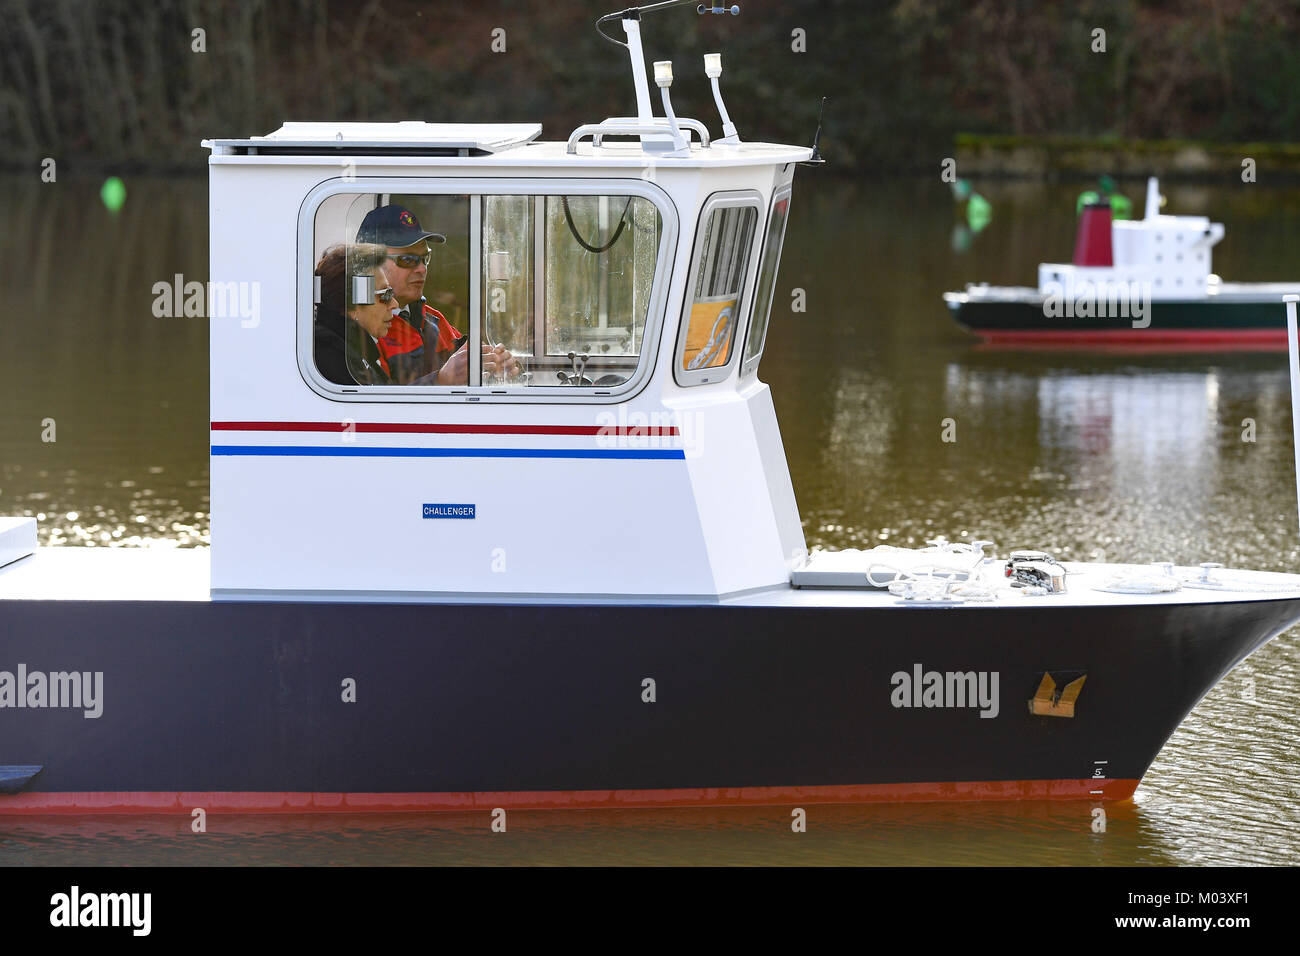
(408, 260)
(385, 295)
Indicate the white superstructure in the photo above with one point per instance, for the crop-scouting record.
(638, 457)
(1158, 256)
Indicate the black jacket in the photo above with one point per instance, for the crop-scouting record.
(345, 354)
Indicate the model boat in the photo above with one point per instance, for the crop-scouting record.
(585, 584)
(1133, 283)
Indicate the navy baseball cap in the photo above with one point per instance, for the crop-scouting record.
(395, 226)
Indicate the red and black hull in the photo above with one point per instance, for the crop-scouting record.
(1191, 325)
(240, 706)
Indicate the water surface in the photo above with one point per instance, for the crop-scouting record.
(1122, 456)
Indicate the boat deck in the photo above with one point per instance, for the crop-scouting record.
(1224, 292)
(166, 574)
(108, 574)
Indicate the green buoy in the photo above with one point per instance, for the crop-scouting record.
(979, 211)
(113, 193)
(1120, 206)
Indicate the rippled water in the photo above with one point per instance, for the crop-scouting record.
(1122, 456)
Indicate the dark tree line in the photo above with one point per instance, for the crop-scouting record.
(118, 83)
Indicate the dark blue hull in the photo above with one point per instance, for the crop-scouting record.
(763, 704)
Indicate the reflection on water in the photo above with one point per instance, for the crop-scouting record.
(1135, 428)
(124, 394)
(1131, 458)
(1184, 460)
(1156, 443)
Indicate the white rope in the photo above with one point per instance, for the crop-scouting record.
(958, 579)
(977, 590)
(922, 590)
(932, 590)
(880, 574)
(886, 563)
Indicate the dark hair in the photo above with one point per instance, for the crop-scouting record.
(337, 266)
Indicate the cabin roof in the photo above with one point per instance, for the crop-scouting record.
(537, 154)
(478, 137)
(512, 144)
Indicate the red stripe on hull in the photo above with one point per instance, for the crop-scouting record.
(416, 428)
(306, 802)
(1218, 339)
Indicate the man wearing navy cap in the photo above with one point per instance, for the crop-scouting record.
(421, 347)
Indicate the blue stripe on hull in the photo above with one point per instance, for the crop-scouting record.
(334, 451)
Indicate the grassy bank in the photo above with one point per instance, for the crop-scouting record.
(1081, 157)
(120, 86)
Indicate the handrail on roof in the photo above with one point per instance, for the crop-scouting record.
(661, 122)
(598, 131)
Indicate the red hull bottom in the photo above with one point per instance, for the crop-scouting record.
(303, 802)
(1250, 340)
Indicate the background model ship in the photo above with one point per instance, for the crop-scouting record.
(630, 617)
(1144, 282)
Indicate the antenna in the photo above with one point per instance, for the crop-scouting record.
(631, 21)
(816, 158)
(634, 13)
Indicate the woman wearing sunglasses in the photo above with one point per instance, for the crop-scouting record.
(345, 331)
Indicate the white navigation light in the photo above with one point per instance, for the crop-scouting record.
(713, 70)
(664, 77)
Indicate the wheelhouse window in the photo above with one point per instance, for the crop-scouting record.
(721, 272)
(483, 293)
(765, 292)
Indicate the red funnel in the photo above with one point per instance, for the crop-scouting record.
(1092, 246)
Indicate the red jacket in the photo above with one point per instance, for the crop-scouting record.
(412, 353)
